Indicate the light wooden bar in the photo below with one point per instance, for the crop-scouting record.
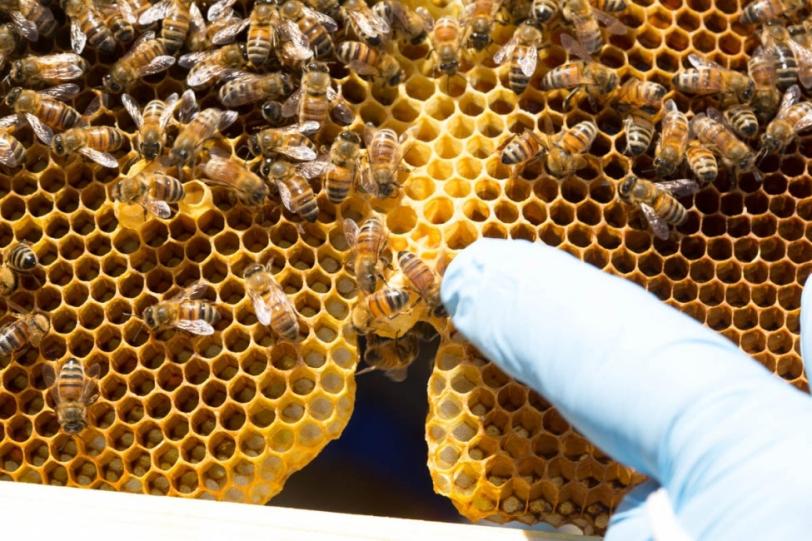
(46, 512)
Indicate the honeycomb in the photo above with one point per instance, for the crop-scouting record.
(232, 415)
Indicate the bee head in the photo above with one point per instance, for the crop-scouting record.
(481, 33)
(41, 322)
(151, 149)
(350, 137)
(367, 281)
(29, 261)
(663, 163)
(152, 315)
(317, 67)
(72, 421)
(181, 155)
(58, 145)
(396, 78)
(290, 9)
(276, 169)
(252, 269)
(624, 191)
(272, 112)
(13, 94)
(111, 84)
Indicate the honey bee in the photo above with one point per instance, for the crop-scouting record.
(565, 154)
(640, 95)
(94, 142)
(385, 303)
(424, 280)
(639, 133)
(368, 246)
(368, 61)
(151, 124)
(232, 174)
(711, 130)
(46, 70)
(292, 183)
(762, 70)
(177, 18)
(87, 26)
(390, 355)
(522, 49)
(290, 141)
(344, 155)
(708, 77)
(673, 142)
(478, 19)
(584, 19)
(370, 27)
(207, 65)
(153, 191)
(743, 120)
(313, 25)
(184, 312)
(701, 161)
(446, 40)
(27, 330)
(21, 257)
(271, 305)
(242, 88)
(13, 9)
(73, 392)
(414, 24)
(43, 110)
(658, 201)
(9, 43)
(316, 99)
(593, 78)
(12, 152)
(119, 18)
(523, 149)
(384, 155)
(793, 117)
(793, 62)
(762, 11)
(200, 127)
(146, 57)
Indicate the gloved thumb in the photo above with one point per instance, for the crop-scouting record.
(806, 321)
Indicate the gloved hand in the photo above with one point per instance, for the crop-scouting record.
(728, 442)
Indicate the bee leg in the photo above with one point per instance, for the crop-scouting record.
(570, 97)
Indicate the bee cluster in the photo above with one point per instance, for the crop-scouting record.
(208, 202)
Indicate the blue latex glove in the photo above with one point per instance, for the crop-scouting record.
(729, 442)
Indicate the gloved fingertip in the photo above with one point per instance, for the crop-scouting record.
(630, 521)
(461, 274)
(806, 318)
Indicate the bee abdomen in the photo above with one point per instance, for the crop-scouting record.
(639, 134)
(168, 189)
(387, 302)
(11, 339)
(339, 182)
(22, 258)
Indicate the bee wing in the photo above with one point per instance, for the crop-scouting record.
(575, 47)
(197, 326)
(326, 21)
(507, 50)
(230, 31)
(133, 109)
(350, 231)
(9, 121)
(313, 169)
(299, 152)
(291, 105)
(364, 23)
(714, 114)
(191, 292)
(197, 21)
(261, 308)
(791, 97)
(296, 44)
(220, 9)
(170, 102)
(78, 39)
(658, 226)
(126, 11)
(43, 132)
(428, 20)
(154, 13)
(803, 123)
(528, 60)
(613, 25)
(308, 127)
(804, 58)
(64, 92)
(188, 105)
(24, 27)
(362, 68)
(190, 60)
(369, 134)
(158, 64)
(679, 188)
(671, 107)
(203, 73)
(6, 155)
(285, 196)
(227, 118)
(101, 158)
(89, 386)
(157, 207)
(699, 62)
